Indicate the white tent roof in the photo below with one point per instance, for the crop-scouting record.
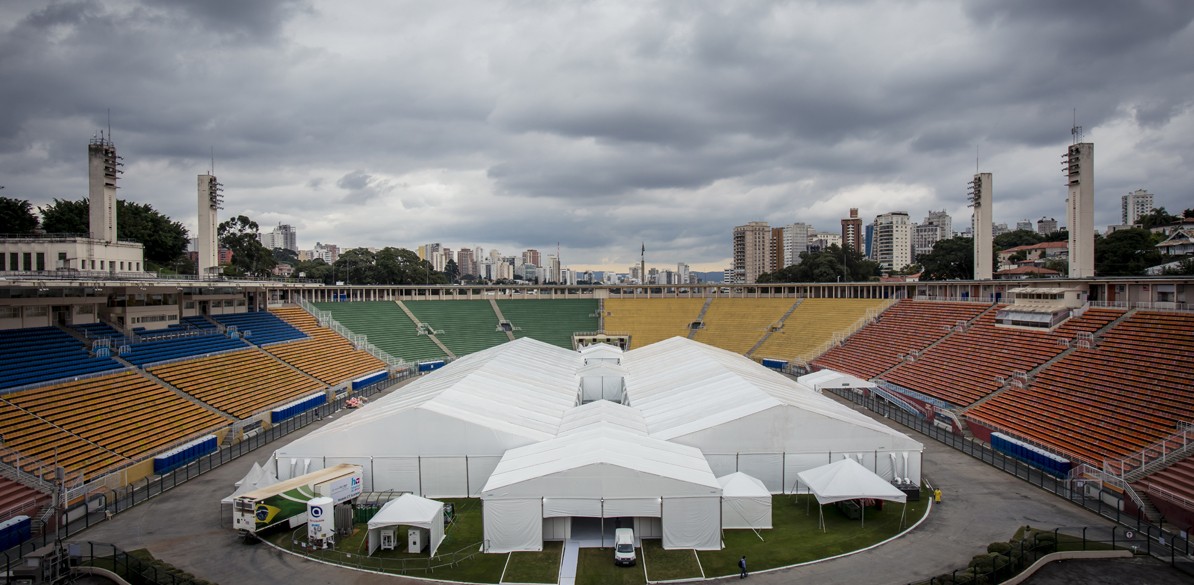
(846, 479)
(833, 379)
(681, 386)
(601, 445)
(516, 392)
(601, 350)
(739, 484)
(257, 477)
(410, 510)
(602, 412)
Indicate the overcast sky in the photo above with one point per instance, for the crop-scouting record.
(598, 125)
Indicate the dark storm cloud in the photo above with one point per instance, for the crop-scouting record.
(594, 124)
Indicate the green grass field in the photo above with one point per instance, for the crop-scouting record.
(795, 538)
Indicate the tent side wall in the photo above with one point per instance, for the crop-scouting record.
(745, 512)
(513, 525)
(693, 522)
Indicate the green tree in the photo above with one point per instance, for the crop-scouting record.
(1189, 213)
(249, 256)
(1157, 218)
(284, 256)
(1125, 253)
(1016, 238)
(1184, 268)
(165, 240)
(315, 269)
(17, 217)
(357, 266)
(950, 259)
(1061, 266)
(1057, 236)
(451, 270)
(826, 266)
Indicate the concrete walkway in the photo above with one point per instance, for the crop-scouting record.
(981, 505)
(569, 561)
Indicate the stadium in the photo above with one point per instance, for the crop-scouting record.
(1083, 385)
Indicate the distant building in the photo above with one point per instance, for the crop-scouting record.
(937, 226)
(1024, 225)
(852, 233)
(795, 241)
(1035, 254)
(892, 246)
(284, 237)
(531, 256)
(779, 259)
(751, 251)
(327, 252)
(466, 263)
(1179, 243)
(1135, 205)
(999, 229)
(1046, 226)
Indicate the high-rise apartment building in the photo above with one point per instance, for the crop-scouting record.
(795, 242)
(284, 236)
(1046, 226)
(531, 257)
(937, 226)
(1134, 205)
(1024, 225)
(552, 269)
(327, 252)
(852, 233)
(751, 251)
(465, 262)
(779, 260)
(892, 245)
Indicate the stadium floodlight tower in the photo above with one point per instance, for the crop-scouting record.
(1078, 163)
(211, 200)
(103, 166)
(980, 200)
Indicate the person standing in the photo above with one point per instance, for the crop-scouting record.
(742, 567)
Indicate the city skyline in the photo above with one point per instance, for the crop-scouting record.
(598, 126)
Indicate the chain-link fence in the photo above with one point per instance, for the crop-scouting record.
(102, 505)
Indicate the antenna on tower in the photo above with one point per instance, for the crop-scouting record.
(109, 124)
(212, 170)
(1076, 130)
(976, 158)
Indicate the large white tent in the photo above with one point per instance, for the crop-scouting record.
(745, 502)
(824, 379)
(602, 472)
(747, 418)
(409, 510)
(465, 430)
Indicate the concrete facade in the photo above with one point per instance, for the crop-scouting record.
(980, 199)
(1079, 171)
(206, 244)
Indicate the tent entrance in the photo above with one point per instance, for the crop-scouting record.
(597, 532)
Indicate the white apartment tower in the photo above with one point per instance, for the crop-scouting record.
(102, 168)
(795, 241)
(893, 240)
(980, 200)
(752, 251)
(210, 203)
(1078, 164)
(1134, 205)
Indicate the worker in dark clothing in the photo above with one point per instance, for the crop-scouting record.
(742, 567)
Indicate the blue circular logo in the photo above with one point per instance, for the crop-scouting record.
(261, 513)
(316, 512)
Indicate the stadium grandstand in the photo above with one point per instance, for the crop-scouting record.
(1100, 381)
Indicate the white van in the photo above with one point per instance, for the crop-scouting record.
(624, 546)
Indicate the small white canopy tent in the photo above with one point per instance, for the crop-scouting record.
(846, 479)
(745, 502)
(823, 379)
(409, 510)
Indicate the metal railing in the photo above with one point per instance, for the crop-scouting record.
(1168, 545)
(1154, 456)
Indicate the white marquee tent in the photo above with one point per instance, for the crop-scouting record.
(409, 510)
(602, 472)
(745, 502)
(845, 479)
(747, 418)
(822, 379)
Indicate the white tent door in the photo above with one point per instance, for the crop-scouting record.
(692, 523)
(512, 525)
(559, 507)
(479, 470)
(444, 477)
(364, 462)
(557, 528)
(767, 467)
(648, 527)
(794, 463)
(396, 473)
